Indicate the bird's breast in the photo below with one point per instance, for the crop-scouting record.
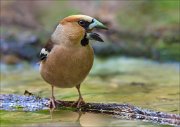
(66, 66)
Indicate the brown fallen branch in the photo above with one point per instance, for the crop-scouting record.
(125, 111)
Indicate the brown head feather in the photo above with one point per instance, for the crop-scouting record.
(76, 18)
(70, 29)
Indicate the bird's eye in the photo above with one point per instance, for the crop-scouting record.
(81, 22)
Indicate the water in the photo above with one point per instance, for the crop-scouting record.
(63, 118)
(139, 82)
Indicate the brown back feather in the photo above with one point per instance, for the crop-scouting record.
(49, 45)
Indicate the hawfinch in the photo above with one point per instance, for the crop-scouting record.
(68, 57)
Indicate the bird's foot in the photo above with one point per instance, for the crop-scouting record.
(78, 103)
(53, 103)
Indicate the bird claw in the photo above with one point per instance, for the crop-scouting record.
(53, 103)
(78, 103)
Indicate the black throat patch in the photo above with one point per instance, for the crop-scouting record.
(84, 41)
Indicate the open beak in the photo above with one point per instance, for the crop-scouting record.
(94, 36)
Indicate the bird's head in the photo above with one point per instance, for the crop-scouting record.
(78, 27)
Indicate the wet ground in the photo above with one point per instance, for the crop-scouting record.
(139, 82)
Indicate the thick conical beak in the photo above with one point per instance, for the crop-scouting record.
(96, 24)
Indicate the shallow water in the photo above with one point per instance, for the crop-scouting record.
(139, 82)
(63, 118)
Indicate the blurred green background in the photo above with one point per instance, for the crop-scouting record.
(137, 64)
(136, 28)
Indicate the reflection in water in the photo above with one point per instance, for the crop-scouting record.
(82, 119)
(79, 115)
(66, 119)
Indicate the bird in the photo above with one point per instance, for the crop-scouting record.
(67, 57)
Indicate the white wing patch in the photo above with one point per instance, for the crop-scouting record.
(43, 54)
(43, 51)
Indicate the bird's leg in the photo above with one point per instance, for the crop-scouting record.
(80, 100)
(53, 102)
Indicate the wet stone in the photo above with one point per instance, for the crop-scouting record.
(25, 103)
